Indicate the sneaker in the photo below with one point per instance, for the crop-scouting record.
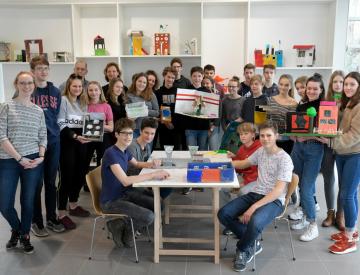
(55, 225)
(343, 247)
(26, 245)
(12, 243)
(116, 227)
(300, 225)
(186, 191)
(317, 207)
(127, 237)
(227, 232)
(241, 259)
(311, 233)
(297, 214)
(39, 231)
(67, 223)
(341, 236)
(78, 211)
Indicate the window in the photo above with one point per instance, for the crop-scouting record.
(352, 59)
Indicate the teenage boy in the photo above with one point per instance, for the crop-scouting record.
(117, 194)
(270, 88)
(140, 149)
(231, 104)
(81, 70)
(48, 97)
(249, 72)
(258, 208)
(180, 80)
(209, 71)
(166, 94)
(256, 98)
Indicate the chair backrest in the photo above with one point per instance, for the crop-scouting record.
(291, 188)
(93, 179)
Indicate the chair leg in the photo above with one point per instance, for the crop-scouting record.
(148, 234)
(254, 264)
(291, 240)
(133, 233)
(226, 243)
(92, 238)
(275, 225)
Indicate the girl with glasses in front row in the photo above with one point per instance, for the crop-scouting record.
(23, 141)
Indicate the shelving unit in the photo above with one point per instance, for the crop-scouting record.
(227, 33)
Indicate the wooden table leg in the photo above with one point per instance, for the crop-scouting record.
(216, 225)
(167, 210)
(157, 224)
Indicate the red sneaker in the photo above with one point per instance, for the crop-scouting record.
(343, 247)
(67, 223)
(341, 236)
(78, 211)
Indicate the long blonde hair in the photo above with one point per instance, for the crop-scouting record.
(113, 98)
(85, 99)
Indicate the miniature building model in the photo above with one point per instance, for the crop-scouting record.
(162, 44)
(328, 118)
(305, 55)
(99, 46)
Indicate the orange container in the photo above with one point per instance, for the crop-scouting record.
(211, 175)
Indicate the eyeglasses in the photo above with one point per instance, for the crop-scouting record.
(42, 69)
(26, 83)
(126, 133)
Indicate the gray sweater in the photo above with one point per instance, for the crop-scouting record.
(152, 105)
(23, 126)
(139, 154)
(231, 110)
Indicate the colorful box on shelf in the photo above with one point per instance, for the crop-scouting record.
(210, 172)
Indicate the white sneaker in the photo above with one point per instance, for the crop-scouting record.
(297, 214)
(311, 233)
(317, 207)
(303, 223)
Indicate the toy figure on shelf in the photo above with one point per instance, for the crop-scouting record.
(99, 46)
(191, 46)
(270, 57)
(305, 55)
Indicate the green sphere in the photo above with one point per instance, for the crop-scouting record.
(311, 112)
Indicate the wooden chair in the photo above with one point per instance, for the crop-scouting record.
(291, 188)
(93, 180)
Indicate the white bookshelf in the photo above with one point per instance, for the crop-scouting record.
(227, 33)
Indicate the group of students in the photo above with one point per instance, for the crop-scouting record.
(41, 130)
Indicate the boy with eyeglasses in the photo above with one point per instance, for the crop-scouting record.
(117, 194)
(47, 97)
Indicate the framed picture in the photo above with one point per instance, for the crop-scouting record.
(93, 127)
(297, 122)
(33, 48)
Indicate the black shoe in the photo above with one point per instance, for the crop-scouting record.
(12, 243)
(26, 245)
(116, 227)
(127, 238)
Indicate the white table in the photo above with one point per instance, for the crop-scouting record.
(177, 179)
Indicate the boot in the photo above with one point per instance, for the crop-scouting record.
(340, 221)
(330, 219)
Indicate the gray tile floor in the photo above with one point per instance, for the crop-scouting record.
(67, 253)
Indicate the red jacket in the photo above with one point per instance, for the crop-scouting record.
(250, 174)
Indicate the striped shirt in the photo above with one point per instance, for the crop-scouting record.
(23, 126)
(277, 113)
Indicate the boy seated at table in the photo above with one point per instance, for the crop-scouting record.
(266, 201)
(117, 194)
(140, 149)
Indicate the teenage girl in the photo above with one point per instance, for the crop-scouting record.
(327, 167)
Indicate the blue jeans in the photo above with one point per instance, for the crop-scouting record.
(215, 138)
(248, 233)
(349, 177)
(307, 159)
(10, 173)
(51, 167)
(197, 138)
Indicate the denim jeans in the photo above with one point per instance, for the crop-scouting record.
(197, 138)
(349, 176)
(10, 173)
(248, 233)
(327, 170)
(307, 159)
(136, 204)
(51, 167)
(215, 138)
